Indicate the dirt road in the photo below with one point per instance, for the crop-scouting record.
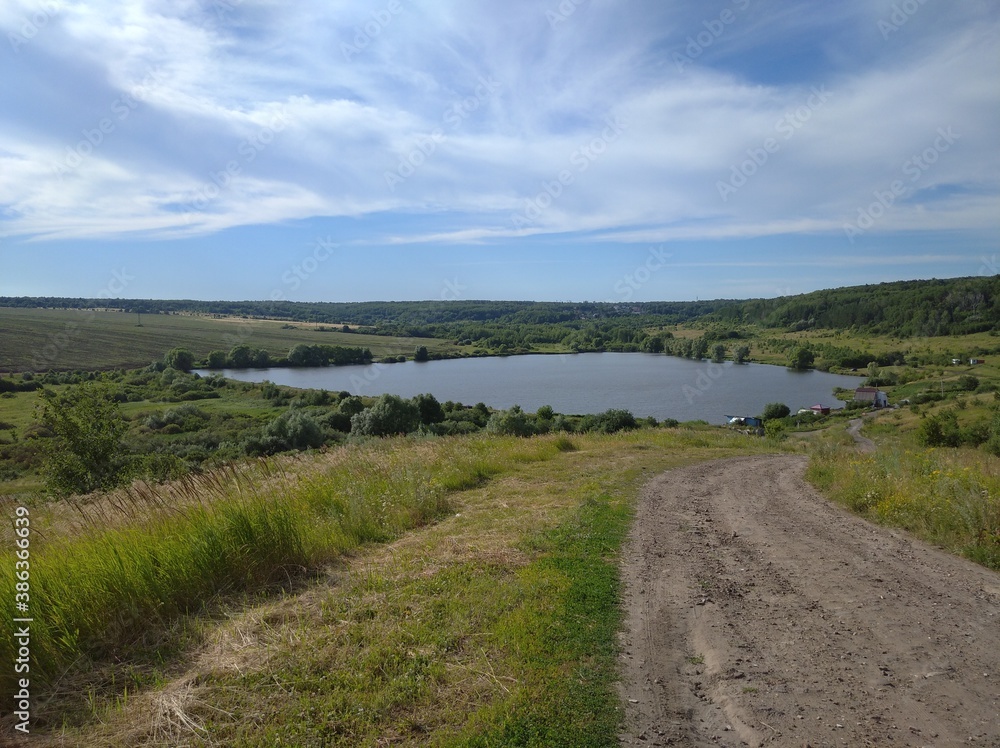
(758, 613)
(864, 443)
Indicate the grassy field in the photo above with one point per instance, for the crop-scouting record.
(947, 496)
(44, 339)
(458, 592)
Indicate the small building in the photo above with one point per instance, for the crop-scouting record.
(745, 421)
(820, 410)
(974, 361)
(871, 395)
(956, 361)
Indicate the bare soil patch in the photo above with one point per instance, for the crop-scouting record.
(759, 613)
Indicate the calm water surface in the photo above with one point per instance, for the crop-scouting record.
(646, 384)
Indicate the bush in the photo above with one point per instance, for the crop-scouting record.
(430, 409)
(615, 420)
(87, 451)
(293, 429)
(179, 358)
(968, 383)
(775, 410)
(513, 422)
(940, 431)
(217, 360)
(389, 415)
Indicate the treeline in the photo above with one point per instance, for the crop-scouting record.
(248, 357)
(925, 308)
(413, 315)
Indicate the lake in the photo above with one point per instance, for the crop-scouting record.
(643, 383)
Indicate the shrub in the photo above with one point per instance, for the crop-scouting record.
(513, 422)
(968, 383)
(87, 451)
(614, 420)
(940, 431)
(775, 410)
(389, 415)
(430, 409)
(179, 358)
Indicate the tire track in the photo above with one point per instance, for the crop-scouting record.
(758, 613)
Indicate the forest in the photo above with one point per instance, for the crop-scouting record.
(925, 308)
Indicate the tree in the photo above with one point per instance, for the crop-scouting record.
(653, 344)
(261, 358)
(718, 353)
(874, 373)
(968, 383)
(775, 410)
(87, 450)
(421, 354)
(430, 409)
(241, 357)
(699, 349)
(179, 358)
(802, 359)
(741, 354)
(351, 405)
(545, 413)
(217, 360)
(303, 355)
(389, 415)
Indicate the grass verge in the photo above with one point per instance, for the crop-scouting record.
(949, 497)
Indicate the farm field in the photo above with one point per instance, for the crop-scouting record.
(60, 339)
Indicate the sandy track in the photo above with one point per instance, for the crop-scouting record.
(758, 613)
(863, 443)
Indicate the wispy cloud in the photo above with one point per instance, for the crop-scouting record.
(361, 90)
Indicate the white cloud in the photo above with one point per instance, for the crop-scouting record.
(211, 80)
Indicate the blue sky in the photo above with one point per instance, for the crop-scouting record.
(574, 150)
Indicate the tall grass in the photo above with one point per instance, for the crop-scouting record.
(950, 497)
(113, 583)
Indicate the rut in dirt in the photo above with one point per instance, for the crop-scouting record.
(759, 613)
